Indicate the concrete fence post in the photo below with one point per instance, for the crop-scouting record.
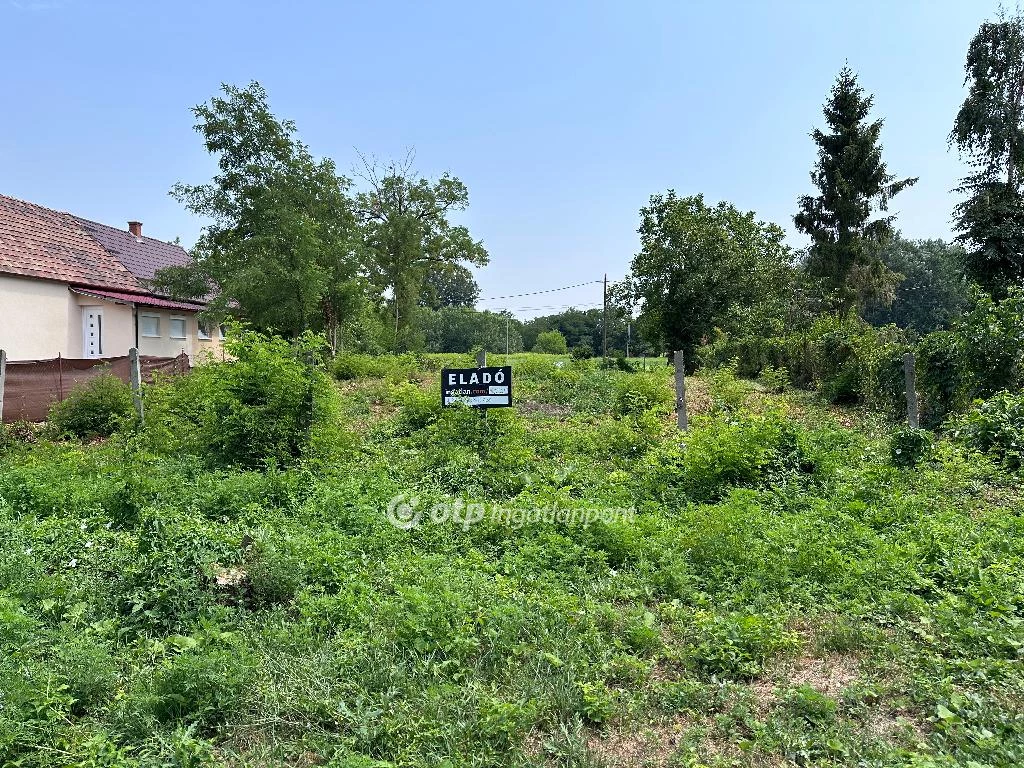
(3, 382)
(481, 359)
(681, 420)
(135, 378)
(910, 374)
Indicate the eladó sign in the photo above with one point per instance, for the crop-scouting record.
(487, 387)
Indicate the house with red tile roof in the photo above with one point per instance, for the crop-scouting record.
(80, 289)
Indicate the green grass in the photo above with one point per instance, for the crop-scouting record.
(784, 594)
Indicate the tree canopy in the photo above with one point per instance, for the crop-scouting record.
(449, 285)
(934, 290)
(700, 267)
(853, 184)
(407, 231)
(989, 131)
(280, 248)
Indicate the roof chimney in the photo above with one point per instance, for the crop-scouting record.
(135, 227)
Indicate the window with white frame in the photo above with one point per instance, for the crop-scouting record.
(203, 331)
(178, 328)
(220, 331)
(149, 325)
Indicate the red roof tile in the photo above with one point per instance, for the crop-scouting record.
(38, 242)
(138, 298)
(142, 256)
(51, 245)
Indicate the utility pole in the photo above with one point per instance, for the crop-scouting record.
(605, 321)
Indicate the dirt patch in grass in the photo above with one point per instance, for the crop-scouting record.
(642, 745)
(552, 410)
(830, 675)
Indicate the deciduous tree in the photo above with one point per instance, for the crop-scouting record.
(407, 231)
(280, 248)
(989, 131)
(934, 290)
(449, 285)
(699, 268)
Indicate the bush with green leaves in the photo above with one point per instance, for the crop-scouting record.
(269, 402)
(727, 391)
(945, 381)
(996, 427)
(395, 368)
(775, 380)
(909, 446)
(97, 408)
(641, 392)
(551, 343)
(716, 454)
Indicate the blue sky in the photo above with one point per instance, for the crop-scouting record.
(561, 117)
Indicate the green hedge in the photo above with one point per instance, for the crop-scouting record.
(849, 361)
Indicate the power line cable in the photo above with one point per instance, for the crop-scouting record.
(545, 306)
(535, 293)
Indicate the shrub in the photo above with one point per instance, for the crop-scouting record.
(551, 343)
(908, 446)
(268, 402)
(396, 368)
(642, 392)
(94, 409)
(775, 380)
(945, 382)
(993, 342)
(883, 383)
(996, 426)
(727, 392)
(417, 408)
(719, 454)
(581, 352)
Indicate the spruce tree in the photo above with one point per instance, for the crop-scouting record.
(853, 184)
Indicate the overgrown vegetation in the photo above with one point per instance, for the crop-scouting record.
(789, 589)
(94, 409)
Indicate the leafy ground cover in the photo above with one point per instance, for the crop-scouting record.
(787, 590)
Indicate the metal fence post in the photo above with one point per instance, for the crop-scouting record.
(681, 420)
(3, 382)
(135, 377)
(910, 374)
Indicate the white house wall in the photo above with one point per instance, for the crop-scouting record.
(34, 319)
(118, 326)
(165, 346)
(40, 319)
